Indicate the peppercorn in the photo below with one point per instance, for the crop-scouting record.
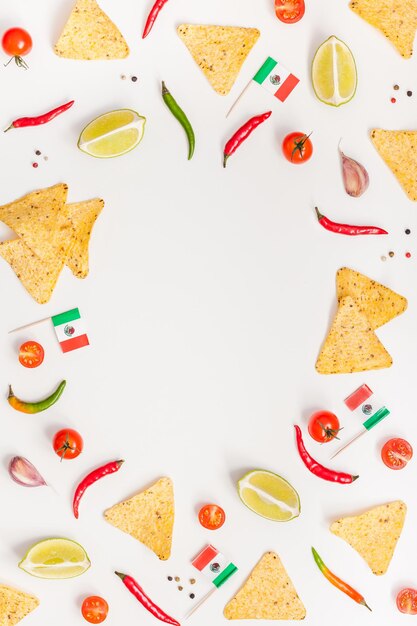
(177, 579)
(169, 578)
(407, 231)
(408, 255)
(192, 596)
(123, 77)
(393, 100)
(409, 93)
(192, 581)
(134, 79)
(383, 258)
(396, 87)
(35, 165)
(391, 253)
(38, 152)
(180, 588)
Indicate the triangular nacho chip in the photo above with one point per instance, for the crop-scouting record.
(15, 605)
(378, 303)
(219, 51)
(89, 34)
(148, 517)
(396, 19)
(398, 148)
(374, 534)
(268, 593)
(351, 345)
(83, 216)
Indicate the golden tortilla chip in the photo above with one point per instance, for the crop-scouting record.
(398, 148)
(351, 345)
(396, 19)
(374, 534)
(90, 34)
(148, 517)
(15, 605)
(37, 276)
(219, 51)
(378, 303)
(83, 216)
(268, 593)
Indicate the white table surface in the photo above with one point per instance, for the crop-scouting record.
(209, 295)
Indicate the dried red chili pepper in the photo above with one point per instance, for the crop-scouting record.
(316, 468)
(243, 133)
(152, 17)
(149, 605)
(347, 229)
(91, 478)
(21, 122)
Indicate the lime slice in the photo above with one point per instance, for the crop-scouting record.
(112, 134)
(55, 558)
(334, 73)
(269, 495)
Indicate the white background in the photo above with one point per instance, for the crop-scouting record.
(209, 295)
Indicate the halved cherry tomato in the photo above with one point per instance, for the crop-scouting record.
(17, 42)
(289, 11)
(297, 148)
(396, 453)
(68, 443)
(31, 354)
(407, 601)
(212, 516)
(94, 609)
(323, 426)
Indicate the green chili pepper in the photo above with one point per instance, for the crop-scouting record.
(35, 407)
(179, 114)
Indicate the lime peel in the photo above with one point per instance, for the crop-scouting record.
(333, 72)
(266, 504)
(55, 558)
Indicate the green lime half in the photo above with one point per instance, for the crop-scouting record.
(112, 134)
(269, 495)
(55, 558)
(333, 73)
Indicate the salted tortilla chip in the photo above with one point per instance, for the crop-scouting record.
(374, 534)
(15, 605)
(398, 148)
(268, 593)
(148, 517)
(396, 19)
(37, 276)
(83, 216)
(219, 51)
(378, 303)
(89, 34)
(351, 345)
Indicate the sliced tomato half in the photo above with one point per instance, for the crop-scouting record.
(396, 453)
(289, 11)
(211, 516)
(31, 354)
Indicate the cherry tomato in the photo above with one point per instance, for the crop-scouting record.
(323, 426)
(289, 11)
(31, 354)
(407, 601)
(211, 516)
(68, 443)
(94, 609)
(396, 453)
(297, 148)
(17, 43)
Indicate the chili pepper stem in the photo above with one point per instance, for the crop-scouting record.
(122, 576)
(9, 128)
(225, 157)
(11, 394)
(364, 604)
(319, 215)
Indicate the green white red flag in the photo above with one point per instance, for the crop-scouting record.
(214, 565)
(276, 78)
(70, 331)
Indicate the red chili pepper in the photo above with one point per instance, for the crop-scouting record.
(316, 468)
(140, 595)
(21, 122)
(152, 17)
(243, 133)
(348, 229)
(91, 478)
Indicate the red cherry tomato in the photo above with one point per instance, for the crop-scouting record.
(297, 148)
(211, 516)
(407, 601)
(289, 11)
(31, 354)
(94, 609)
(17, 42)
(323, 426)
(68, 443)
(396, 453)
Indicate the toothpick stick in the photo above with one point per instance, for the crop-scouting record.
(239, 98)
(203, 599)
(45, 319)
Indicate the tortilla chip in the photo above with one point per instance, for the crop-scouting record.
(37, 276)
(148, 517)
(15, 605)
(83, 216)
(268, 593)
(396, 19)
(374, 534)
(351, 345)
(90, 34)
(398, 148)
(219, 51)
(378, 303)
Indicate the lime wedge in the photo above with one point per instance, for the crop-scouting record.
(55, 558)
(269, 495)
(333, 73)
(112, 134)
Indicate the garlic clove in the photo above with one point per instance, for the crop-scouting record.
(355, 176)
(24, 473)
